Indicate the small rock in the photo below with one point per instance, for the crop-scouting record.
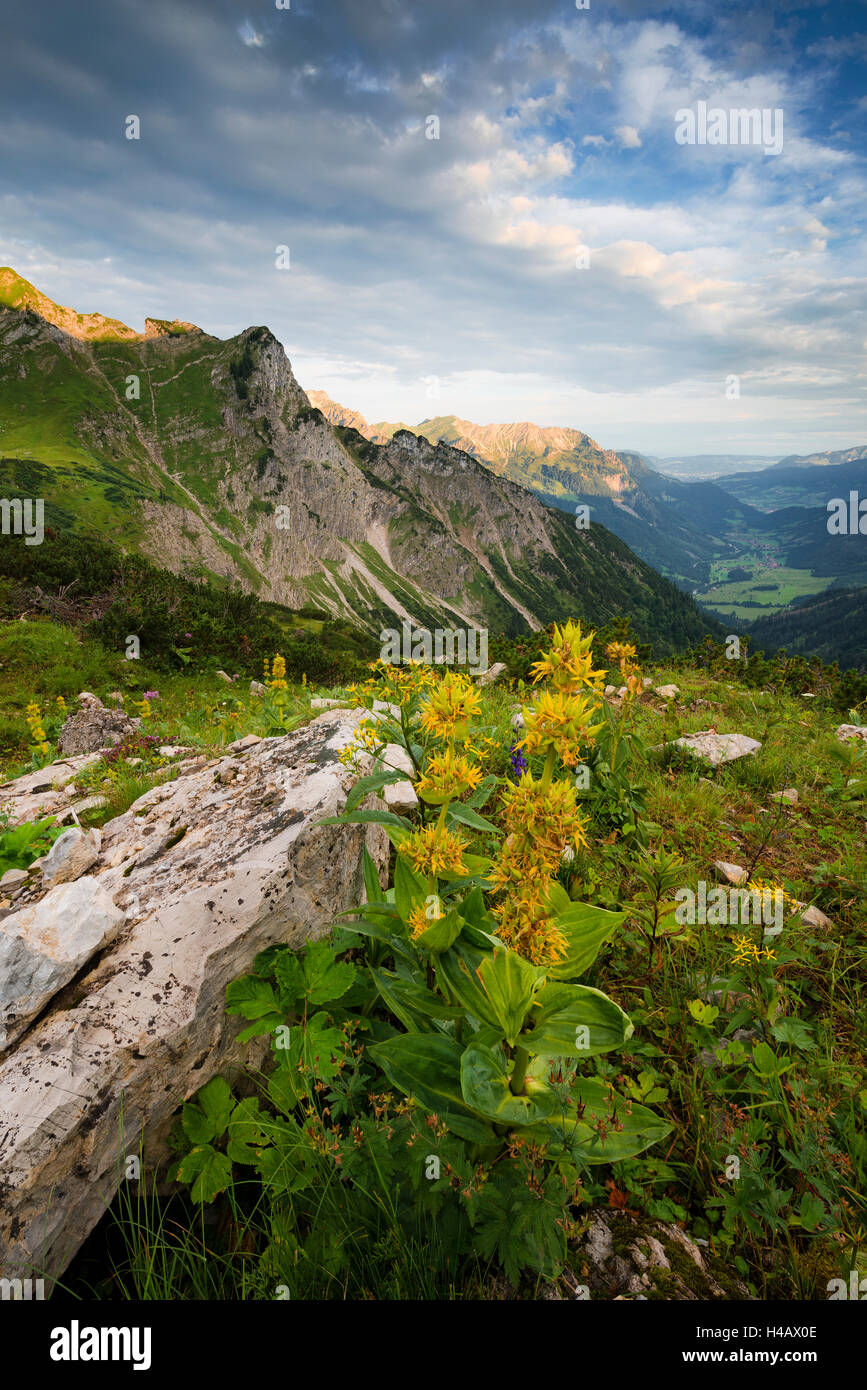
(399, 797)
(257, 688)
(610, 690)
(248, 741)
(718, 748)
(171, 750)
(668, 692)
(518, 720)
(814, 917)
(492, 674)
(133, 762)
(324, 702)
(790, 794)
(12, 878)
(71, 855)
(730, 873)
(849, 731)
(224, 677)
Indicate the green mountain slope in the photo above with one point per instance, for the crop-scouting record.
(830, 625)
(207, 457)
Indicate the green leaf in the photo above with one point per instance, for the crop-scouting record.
(372, 886)
(372, 783)
(485, 1086)
(250, 997)
(209, 1171)
(482, 793)
(465, 815)
(441, 933)
(456, 975)
(427, 1066)
(247, 1132)
(410, 889)
(369, 818)
(793, 1032)
(198, 1127)
(585, 928)
(510, 984)
(575, 1021)
(325, 979)
(627, 1130)
(217, 1101)
(412, 1003)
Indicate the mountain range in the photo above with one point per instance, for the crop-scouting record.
(206, 456)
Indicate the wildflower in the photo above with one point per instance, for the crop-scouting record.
(447, 776)
(278, 674)
(151, 695)
(434, 849)
(568, 661)
(33, 716)
(561, 722)
(451, 705)
(517, 760)
(419, 920)
(542, 821)
(525, 924)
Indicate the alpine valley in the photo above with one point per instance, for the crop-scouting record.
(206, 457)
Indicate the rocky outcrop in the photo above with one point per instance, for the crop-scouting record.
(93, 727)
(623, 1256)
(205, 874)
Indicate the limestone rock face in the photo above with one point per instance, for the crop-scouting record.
(43, 945)
(94, 727)
(206, 875)
(623, 1257)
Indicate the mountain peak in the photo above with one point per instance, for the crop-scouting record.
(18, 293)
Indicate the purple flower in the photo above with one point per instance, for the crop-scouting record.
(518, 761)
(151, 695)
(188, 634)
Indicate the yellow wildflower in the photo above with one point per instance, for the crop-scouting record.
(420, 919)
(450, 707)
(447, 776)
(434, 849)
(525, 924)
(568, 661)
(560, 721)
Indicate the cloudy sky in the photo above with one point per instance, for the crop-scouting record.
(555, 255)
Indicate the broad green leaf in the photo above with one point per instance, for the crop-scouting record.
(217, 1101)
(250, 997)
(465, 815)
(325, 979)
(247, 1132)
(510, 983)
(369, 818)
(427, 1066)
(558, 899)
(627, 1130)
(482, 793)
(485, 1086)
(457, 978)
(412, 1003)
(410, 889)
(575, 1021)
(209, 1171)
(198, 1127)
(373, 783)
(372, 886)
(585, 928)
(442, 933)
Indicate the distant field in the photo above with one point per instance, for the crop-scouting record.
(730, 596)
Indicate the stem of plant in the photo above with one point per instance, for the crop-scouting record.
(519, 1071)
